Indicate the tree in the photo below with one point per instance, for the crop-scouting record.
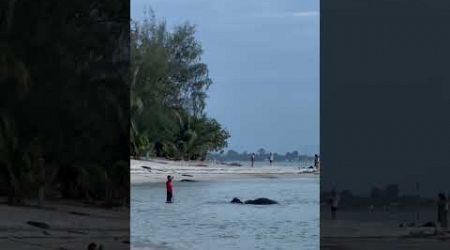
(64, 99)
(261, 152)
(168, 91)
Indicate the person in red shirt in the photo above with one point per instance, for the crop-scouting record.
(169, 189)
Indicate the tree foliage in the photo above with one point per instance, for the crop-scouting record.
(261, 155)
(168, 91)
(64, 99)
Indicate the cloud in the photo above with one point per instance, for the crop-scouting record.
(300, 14)
(306, 13)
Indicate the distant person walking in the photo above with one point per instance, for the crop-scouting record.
(270, 158)
(253, 158)
(316, 161)
(169, 188)
(334, 203)
(442, 211)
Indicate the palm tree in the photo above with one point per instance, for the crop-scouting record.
(13, 76)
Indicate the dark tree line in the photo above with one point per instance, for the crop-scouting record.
(260, 155)
(168, 91)
(64, 100)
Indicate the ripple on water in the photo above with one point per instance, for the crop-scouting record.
(203, 218)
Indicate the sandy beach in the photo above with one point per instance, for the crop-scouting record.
(359, 228)
(68, 225)
(156, 170)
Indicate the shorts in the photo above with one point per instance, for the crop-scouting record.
(169, 197)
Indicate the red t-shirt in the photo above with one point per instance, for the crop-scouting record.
(169, 186)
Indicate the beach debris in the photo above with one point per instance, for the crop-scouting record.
(411, 224)
(231, 164)
(79, 213)
(421, 234)
(149, 169)
(38, 224)
(157, 161)
(187, 180)
(429, 224)
(77, 232)
(93, 246)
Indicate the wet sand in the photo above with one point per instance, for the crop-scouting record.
(362, 229)
(68, 225)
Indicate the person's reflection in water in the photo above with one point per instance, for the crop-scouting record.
(442, 211)
(334, 203)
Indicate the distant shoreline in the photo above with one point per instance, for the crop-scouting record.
(156, 170)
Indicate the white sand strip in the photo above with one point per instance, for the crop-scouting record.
(156, 170)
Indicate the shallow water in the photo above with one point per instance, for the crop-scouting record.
(202, 217)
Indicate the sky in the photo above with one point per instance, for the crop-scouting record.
(263, 58)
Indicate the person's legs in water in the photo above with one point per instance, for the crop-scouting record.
(444, 220)
(169, 197)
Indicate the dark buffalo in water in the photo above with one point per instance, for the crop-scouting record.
(259, 201)
(236, 200)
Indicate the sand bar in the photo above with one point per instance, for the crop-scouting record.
(156, 170)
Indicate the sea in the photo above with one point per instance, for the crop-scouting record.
(202, 216)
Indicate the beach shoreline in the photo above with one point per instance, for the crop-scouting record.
(395, 228)
(157, 170)
(63, 225)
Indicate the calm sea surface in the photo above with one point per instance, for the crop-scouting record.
(202, 217)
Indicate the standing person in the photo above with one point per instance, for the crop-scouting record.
(41, 181)
(442, 211)
(316, 161)
(270, 158)
(334, 203)
(169, 189)
(253, 158)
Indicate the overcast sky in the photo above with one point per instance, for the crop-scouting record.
(263, 58)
